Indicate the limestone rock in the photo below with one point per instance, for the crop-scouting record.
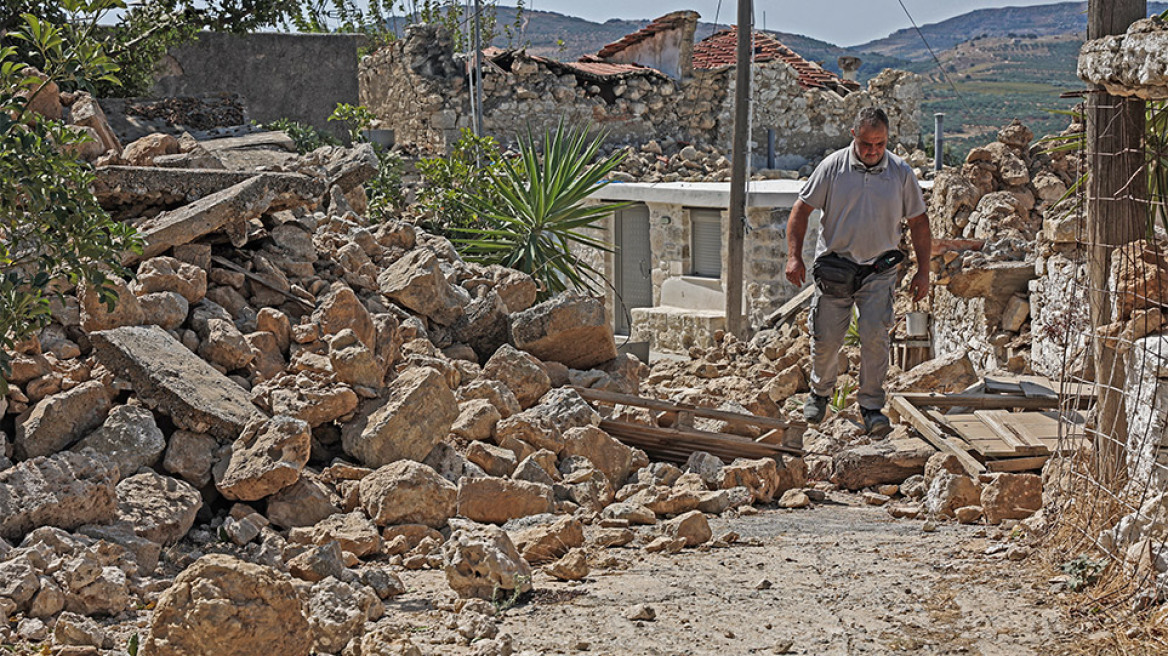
(1011, 496)
(66, 490)
(318, 563)
(18, 580)
(266, 458)
(96, 315)
(481, 561)
(339, 310)
(494, 460)
(890, 461)
(353, 362)
(522, 373)
(337, 613)
(485, 325)
(764, 477)
(948, 492)
(794, 499)
(566, 409)
(166, 274)
(171, 379)
(60, 420)
(611, 456)
(87, 112)
(220, 341)
(355, 533)
(417, 410)
(493, 391)
(948, 374)
(495, 500)
(143, 151)
(167, 310)
(408, 492)
(572, 567)
(476, 420)
(693, 527)
(129, 437)
(570, 328)
(190, 456)
(160, 508)
(303, 503)
(221, 606)
(314, 404)
(547, 542)
(416, 282)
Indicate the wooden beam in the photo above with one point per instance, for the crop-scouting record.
(1017, 464)
(978, 401)
(791, 307)
(698, 440)
(614, 398)
(933, 435)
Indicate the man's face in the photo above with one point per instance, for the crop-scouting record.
(870, 143)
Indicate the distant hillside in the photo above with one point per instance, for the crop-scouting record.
(1036, 21)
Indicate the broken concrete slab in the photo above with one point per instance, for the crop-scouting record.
(229, 210)
(60, 420)
(171, 379)
(890, 461)
(126, 185)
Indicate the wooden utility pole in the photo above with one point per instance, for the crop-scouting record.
(1115, 216)
(740, 168)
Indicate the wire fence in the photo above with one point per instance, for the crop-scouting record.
(1111, 498)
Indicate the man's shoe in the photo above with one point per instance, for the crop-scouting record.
(875, 423)
(815, 408)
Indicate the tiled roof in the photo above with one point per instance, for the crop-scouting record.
(588, 67)
(667, 22)
(719, 50)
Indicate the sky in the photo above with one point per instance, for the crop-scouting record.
(842, 22)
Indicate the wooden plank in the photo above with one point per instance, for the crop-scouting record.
(928, 430)
(979, 401)
(1022, 445)
(1043, 428)
(700, 440)
(1017, 464)
(791, 307)
(1034, 390)
(973, 430)
(613, 398)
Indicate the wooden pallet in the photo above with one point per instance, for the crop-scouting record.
(1013, 424)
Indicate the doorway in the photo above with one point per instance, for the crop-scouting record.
(633, 258)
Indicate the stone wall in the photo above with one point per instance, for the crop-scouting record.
(296, 76)
(1060, 320)
(417, 87)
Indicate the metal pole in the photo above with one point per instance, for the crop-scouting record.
(735, 322)
(478, 71)
(770, 148)
(938, 141)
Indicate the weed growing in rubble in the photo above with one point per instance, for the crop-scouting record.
(839, 397)
(306, 137)
(504, 604)
(1084, 571)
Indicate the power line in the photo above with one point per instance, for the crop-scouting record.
(936, 59)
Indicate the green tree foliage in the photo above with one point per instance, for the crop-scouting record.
(536, 210)
(53, 233)
(464, 173)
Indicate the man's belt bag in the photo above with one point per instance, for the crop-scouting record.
(836, 275)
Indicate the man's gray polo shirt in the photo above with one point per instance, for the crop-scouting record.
(862, 206)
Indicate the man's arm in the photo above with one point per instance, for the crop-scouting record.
(922, 241)
(796, 231)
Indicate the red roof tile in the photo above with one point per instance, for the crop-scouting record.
(719, 50)
(667, 22)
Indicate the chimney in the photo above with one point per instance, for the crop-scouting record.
(849, 67)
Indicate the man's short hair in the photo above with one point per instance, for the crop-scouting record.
(870, 117)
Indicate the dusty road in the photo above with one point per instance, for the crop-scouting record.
(841, 578)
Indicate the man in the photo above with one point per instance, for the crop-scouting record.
(864, 193)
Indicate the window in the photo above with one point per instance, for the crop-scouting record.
(706, 243)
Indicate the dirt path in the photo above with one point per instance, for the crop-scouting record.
(844, 579)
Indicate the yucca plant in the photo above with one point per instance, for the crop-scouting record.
(536, 212)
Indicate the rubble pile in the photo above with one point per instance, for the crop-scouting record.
(289, 408)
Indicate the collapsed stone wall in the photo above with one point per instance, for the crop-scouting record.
(419, 88)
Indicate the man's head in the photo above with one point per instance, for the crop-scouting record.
(870, 134)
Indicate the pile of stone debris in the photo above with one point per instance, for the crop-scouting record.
(289, 405)
(669, 160)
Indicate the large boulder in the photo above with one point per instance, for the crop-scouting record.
(129, 437)
(570, 328)
(888, 461)
(416, 411)
(160, 508)
(497, 500)
(612, 457)
(415, 281)
(547, 542)
(304, 503)
(60, 420)
(484, 326)
(766, 478)
(408, 492)
(337, 613)
(166, 274)
(66, 490)
(481, 561)
(221, 606)
(96, 315)
(339, 310)
(947, 374)
(267, 457)
(521, 372)
(949, 491)
(353, 531)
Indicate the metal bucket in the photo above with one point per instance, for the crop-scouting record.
(916, 324)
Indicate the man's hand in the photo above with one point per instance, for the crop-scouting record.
(919, 287)
(796, 270)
